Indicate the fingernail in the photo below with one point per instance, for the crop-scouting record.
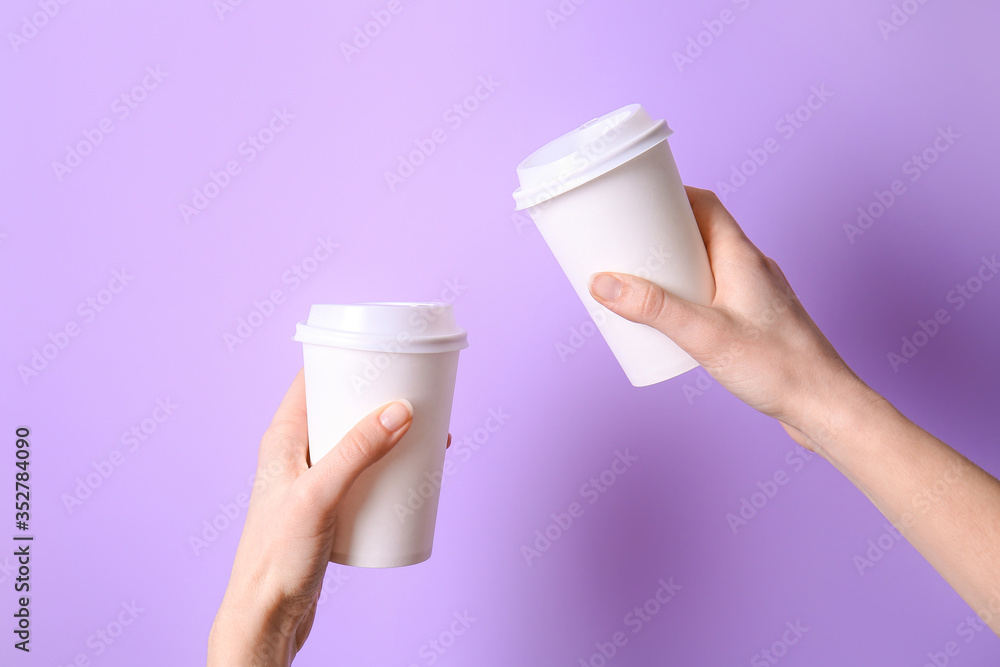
(606, 287)
(397, 414)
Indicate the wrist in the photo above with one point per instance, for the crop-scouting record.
(846, 409)
(244, 634)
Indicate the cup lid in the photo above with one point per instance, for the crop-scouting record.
(593, 149)
(407, 327)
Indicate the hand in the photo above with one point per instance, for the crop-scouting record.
(270, 603)
(755, 338)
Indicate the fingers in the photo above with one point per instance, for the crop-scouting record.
(449, 442)
(719, 230)
(329, 479)
(285, 443)
(639, 300)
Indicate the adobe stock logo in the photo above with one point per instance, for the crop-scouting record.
(579, 335)
(635, 620)
(787, 126)
(88, 311)
(915, 167)
(367, 32)
(900, 16)
(959, 297)
(333, 582)
(121, 107)
(263, 309)
(229, 513)
(563, 11)
(796, 460)
(435, 647)
(249, 149)
(713, 28)
(702, 383)
(102, 639)
(655, 259)
(137, 434)
(464, 448)
(418, 323)
(779, 647)
(591, 490)
(30, 25)
(924, 502)
(223, 7)
(454, 117)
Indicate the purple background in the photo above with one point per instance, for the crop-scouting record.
(452, 221)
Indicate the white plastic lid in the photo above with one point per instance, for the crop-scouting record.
(413, 327)
(593, 149)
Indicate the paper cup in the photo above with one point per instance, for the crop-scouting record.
(358, 358)
(608, 197)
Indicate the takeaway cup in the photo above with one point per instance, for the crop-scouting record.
(357, 358)
(608, 197)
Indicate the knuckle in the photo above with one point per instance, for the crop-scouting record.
(772, 266)
(706, 196)
(359, 446)
(279, 452)
(278, 440)
(304, 492)
(712, 196)
(757, 261)
(649, 302)
(282, 426)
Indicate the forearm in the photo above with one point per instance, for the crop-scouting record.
(945, 505)
(242, 637)
(757, 340)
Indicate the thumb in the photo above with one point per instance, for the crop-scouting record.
(329, 479)
(642, 301)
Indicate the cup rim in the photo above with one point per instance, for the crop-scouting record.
(543, 177)
(399, 341)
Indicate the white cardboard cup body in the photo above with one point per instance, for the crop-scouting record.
(633, 219)
(388, 516)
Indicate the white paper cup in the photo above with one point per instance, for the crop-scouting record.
(607, 197)
(357, 358)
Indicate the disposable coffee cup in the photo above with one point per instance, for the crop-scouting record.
(357, 358)
(608, 197)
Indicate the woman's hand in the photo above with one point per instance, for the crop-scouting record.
(270, 602)
(755, 338)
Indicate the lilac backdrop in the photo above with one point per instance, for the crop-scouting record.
(199, 78)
